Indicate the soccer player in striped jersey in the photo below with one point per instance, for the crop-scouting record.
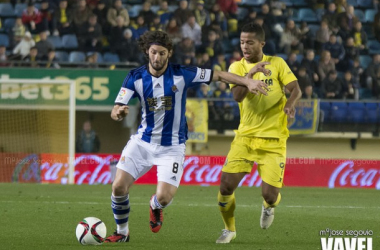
(160, 140)
(262, 133)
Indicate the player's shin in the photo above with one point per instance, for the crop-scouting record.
(120, 208)
(226, 204)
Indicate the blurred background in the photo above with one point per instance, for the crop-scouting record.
(333, 47)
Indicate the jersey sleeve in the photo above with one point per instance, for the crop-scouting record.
(127, 91)
(285, 74)
(237, 69)
(195, 76)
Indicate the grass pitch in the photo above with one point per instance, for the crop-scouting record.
(35, 216)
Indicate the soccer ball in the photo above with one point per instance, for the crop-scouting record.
(91, 231)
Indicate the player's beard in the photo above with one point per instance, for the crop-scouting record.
(158, 66)
(255, 55)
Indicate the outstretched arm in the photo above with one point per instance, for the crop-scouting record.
(253, 86)
(239, 92)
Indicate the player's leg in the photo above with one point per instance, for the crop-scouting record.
(271, 195)
(226, 203)
(162, 198)
(131, 166)
(271, 169)
(237, 165)
(272, 198)
(169, 161)
(120, 205)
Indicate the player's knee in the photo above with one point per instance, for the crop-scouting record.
(119, 190)
(226, 190)
(270, 198)
(164, 199)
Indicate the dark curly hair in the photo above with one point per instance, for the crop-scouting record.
(154, 38)
(254, 28)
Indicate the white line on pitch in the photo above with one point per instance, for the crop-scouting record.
(186, 205)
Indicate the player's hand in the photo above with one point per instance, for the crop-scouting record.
(290, 111)
(260, 67)
(121, 112)
(257, 86)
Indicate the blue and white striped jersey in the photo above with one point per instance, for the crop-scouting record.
(163, 101)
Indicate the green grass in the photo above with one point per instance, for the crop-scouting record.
(37, 216)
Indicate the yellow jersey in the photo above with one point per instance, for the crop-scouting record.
(260, 115)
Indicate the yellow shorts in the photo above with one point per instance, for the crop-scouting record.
(269, 153)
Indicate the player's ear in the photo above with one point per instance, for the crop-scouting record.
(262, 44)
(170, 53)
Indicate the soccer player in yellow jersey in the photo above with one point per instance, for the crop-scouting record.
(262, 133)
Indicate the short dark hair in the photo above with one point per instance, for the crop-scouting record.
(254, 28)
(154, 38)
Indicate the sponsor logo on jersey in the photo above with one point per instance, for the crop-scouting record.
(203, 74)
(269, 73)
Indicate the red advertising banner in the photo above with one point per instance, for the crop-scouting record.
(89, 168)
(19, 167)
(198, 170)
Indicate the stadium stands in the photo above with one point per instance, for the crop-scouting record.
(62, 56)
(300, 10)
(374, 47)
(365, 60)
(19, 8)
(111, 57)
(326, 110)
(4, 40)
(69, 42)
(372, 112)
(8, 25)
(365, 4)
(307, 15)
(77, 56)
(6, 10)
(356, 112)
(369, 16)
(55, 41)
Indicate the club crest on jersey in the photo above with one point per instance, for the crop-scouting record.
(269, 74)
(174, 88)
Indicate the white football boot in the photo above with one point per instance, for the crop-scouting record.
(226, 236)
(267, 216)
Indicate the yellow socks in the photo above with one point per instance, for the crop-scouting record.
(266, 205)
(227, 207)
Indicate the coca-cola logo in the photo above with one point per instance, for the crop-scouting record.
(52, 173)
(99, 175)
(89, 169)
(347, 175)
(200, 174)
(207, 171)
